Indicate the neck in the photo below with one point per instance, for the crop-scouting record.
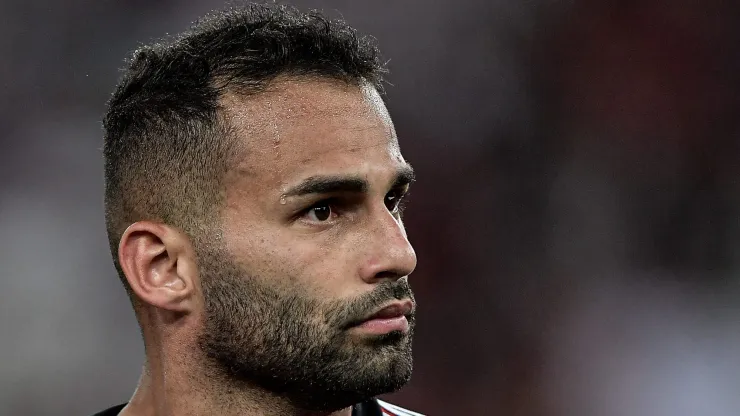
(168, 389)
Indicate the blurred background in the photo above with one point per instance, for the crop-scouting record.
(575, 218)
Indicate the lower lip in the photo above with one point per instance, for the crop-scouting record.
(385, 325)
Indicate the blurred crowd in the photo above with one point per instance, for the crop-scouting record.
(575, 215)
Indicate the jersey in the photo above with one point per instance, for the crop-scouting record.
(373, 407)
(387, 409)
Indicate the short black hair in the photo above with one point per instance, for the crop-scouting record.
(167, 144)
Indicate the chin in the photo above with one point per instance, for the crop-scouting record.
(390, 365)
(384, 377)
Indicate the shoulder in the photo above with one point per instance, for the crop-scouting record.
(392, 410)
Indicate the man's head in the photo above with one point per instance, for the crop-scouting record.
(253, 189)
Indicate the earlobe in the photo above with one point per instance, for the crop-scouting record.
(155, 260)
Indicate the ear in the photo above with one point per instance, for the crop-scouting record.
(159, 264)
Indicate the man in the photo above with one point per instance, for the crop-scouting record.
(254, 190)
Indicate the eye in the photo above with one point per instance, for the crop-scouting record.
(394, 201)
(320, 212)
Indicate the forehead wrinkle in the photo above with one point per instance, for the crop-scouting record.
(260, 114)
(294, 98)
(350, 149)
(290, 108)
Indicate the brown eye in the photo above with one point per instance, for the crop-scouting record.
(320, 213)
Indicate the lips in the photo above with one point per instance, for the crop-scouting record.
(394, 310)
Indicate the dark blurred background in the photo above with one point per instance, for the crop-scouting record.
(575, 218)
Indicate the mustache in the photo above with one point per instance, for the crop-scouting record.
(350, 313)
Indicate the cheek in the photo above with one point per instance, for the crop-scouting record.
(314, 265)
(319, 269)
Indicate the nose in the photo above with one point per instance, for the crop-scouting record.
(390, 255)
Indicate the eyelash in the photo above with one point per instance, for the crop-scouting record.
(403, 199)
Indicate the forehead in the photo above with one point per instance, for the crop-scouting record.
(305, 127)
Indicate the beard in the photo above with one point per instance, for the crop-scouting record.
(297, 347)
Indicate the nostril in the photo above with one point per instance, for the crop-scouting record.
(389, 275)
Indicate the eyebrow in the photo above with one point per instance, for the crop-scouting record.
(353, 184)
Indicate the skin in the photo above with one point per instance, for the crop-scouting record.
(323, 264)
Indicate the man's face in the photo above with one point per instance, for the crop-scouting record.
(312, 243)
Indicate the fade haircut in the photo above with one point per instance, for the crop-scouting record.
(168, 144)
